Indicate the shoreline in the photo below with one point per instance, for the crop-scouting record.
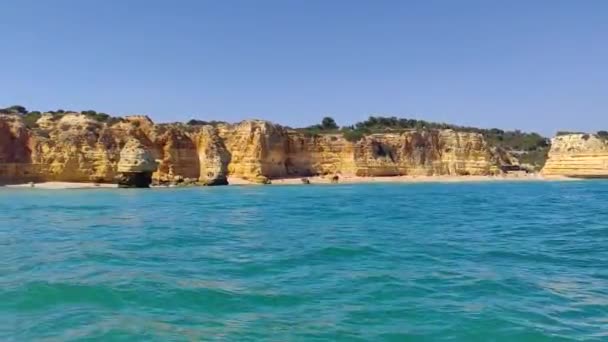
(61, 185)
(236, 181)
(406, 179)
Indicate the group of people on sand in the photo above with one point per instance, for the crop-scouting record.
(334, 179)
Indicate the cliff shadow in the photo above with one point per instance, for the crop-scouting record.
(303, 168)
(16, 164)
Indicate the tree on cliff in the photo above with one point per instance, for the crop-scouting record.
(328, 123)
(14, 110)
(196, 122)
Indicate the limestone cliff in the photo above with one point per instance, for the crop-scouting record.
(15, 151)
(74, 147)
(135, 166)
(434, 152)
(213, 157)
(577, 155)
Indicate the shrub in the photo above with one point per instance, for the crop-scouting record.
(113, 120)
(560, 133)
(535, 158)
(14, 110)
(353, 135)
(311, 131)
(102, 117)
(195, 122)
(56, 115)
(327, 125)
(30, 119)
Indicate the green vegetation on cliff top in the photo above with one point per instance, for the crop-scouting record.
(30, 118)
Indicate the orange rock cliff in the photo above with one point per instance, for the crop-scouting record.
(77, 148)
(578, 155)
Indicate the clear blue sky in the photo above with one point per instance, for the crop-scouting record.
(534, 65)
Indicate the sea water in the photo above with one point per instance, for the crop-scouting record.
(523, 261)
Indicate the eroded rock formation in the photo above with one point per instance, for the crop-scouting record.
(15, 151)
(213, 157)
(578, 155)
(76, 148)
(135, 166)
(435, 152)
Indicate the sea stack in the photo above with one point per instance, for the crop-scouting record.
(136, 166)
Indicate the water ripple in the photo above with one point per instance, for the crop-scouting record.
(454, 262)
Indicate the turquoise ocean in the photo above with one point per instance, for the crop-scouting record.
(522, 261)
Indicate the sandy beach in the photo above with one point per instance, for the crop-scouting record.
(319, 180)
(62, 185)
(403, 179)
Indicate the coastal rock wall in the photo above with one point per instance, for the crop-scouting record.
(76, 148)
(213, 157)
(424, 153)
(318, 155)
(15, 151)
(260, 149)
(177, 152)
(257, 149)
(577, 155)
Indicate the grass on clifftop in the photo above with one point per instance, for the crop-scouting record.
(30, 118)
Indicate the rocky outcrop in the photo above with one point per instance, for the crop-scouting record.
(15, 151)
(424, 153)
(257, 149)
(76, 148)
(578, 155)
(213, 157)
(135, 166)
(260, 149)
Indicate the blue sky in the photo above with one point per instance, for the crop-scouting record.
(534, 65)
